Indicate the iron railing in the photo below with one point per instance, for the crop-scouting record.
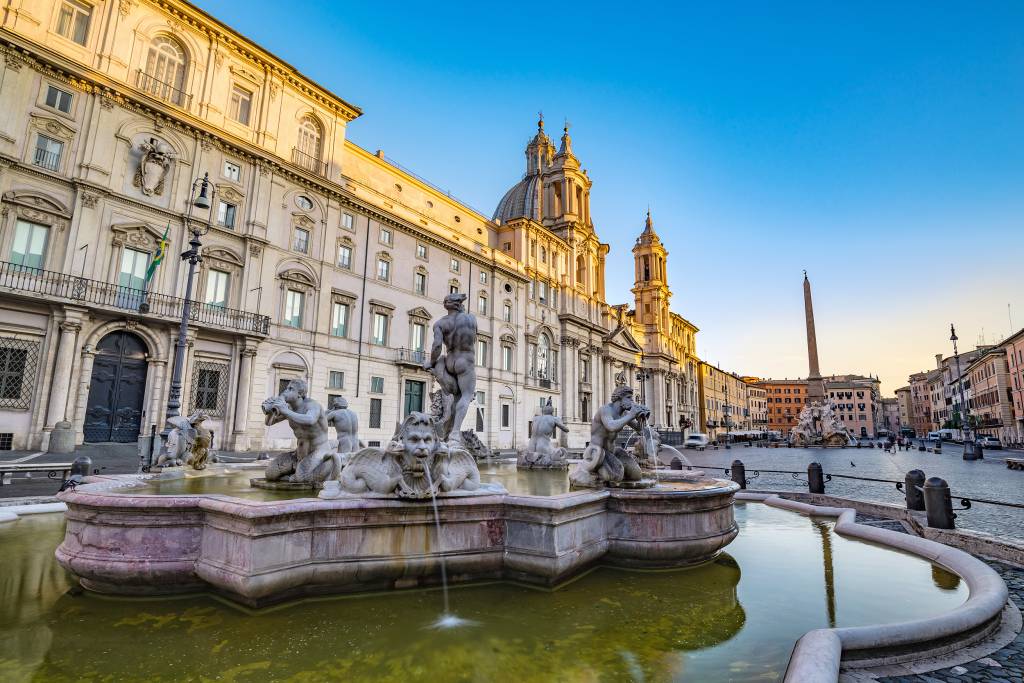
(161, 90)
(45, 159)
(51, 284)
(410, 357)
(309, 162)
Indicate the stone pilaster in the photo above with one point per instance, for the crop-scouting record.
(60, 385)
(245, 363)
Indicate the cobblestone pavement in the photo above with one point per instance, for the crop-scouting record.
(109, 458)
(988, 478)
(1003, 666)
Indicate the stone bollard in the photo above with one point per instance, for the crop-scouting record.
(921, 447)
(912, 483)
(676, 464)
(815, 478)
(972, 450)
(739, 473)
(938, 447)
(62, 438)
(81, 467)
(938, 504)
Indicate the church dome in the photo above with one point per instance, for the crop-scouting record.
(522, 201)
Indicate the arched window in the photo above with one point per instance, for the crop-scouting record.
(164, 74)
(310, 135)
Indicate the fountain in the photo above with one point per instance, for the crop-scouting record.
(379, 514)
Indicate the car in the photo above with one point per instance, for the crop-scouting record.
(990, 442)
(698, 441)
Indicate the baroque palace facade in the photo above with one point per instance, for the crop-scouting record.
(322, 261)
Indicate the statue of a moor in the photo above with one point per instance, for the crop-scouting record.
(455, 371)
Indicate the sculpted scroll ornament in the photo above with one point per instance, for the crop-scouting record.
(153, 166)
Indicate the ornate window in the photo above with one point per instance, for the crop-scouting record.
(209, 387)
(339, 318)
(384, 267)
(73, 20)
(294, 307)
(310, 136)
(18, 361)
(345, 246)
(29, 246)
(164, 73)
(419, 281)
(240, 105)
(481, 304)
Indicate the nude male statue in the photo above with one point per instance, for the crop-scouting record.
(346, 426)
(455, 371)
(602, 462)
(312, 461)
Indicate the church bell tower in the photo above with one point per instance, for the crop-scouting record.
(650, 288)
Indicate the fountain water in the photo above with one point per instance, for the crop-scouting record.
(447, 619)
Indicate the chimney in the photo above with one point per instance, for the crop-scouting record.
(938, 361)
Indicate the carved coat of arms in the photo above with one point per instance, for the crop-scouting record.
(153, 166)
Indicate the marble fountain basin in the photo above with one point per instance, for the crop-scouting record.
(122, 538)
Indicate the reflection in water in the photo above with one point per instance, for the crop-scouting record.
(708, 623)
(944, 579)
(526, 482)
(825, 532)
(31, 582)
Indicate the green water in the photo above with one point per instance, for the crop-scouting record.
(735, 619)
(235, 483)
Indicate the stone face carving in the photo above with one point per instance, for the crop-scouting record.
(540, 452)
(455, 370)
(188, 443)
(818, 425)
(313, 461)
(416, 464)
(153, 166)
(346, 426)
(604, 464)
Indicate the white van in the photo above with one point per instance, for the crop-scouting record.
(697, 440)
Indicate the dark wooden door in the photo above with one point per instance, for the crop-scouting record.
(114, 410)
(413, 397)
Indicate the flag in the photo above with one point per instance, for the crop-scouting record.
(159, 255)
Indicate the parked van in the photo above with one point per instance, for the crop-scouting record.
(698, 441)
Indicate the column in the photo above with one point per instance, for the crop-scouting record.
(84, 382)
(245, 362)
(155, 379)
(61, 380)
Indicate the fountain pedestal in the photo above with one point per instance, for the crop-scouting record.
(261, 552)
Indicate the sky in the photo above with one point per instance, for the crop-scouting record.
(878, 145)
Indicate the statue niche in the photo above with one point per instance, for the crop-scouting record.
(153, 166)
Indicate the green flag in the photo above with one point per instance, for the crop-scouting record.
(159, 256)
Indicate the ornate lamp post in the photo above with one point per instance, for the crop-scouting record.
(192, 255)
(971, 450)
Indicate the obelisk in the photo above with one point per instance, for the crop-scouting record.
(815, 387)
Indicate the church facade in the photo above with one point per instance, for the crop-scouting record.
(320, 260)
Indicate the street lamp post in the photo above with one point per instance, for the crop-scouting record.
(192, 255)
(971, 449)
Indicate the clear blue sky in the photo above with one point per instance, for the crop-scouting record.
(879, 145)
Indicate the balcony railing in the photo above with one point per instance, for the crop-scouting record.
(18, 278)
(48, 160)
(411, 357)
(161, 90)
(532, 379)
(309, 162)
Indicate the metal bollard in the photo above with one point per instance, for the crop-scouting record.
(938, 447)
(815, 478)
(921, 447)
(938, 504)
(676, 464)
(913, 483)
(81, 467)
(739, 473)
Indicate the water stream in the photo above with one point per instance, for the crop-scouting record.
(447, 619)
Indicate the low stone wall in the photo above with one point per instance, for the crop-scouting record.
(262, 552)
(819, 654)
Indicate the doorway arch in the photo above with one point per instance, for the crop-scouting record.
(117, 389)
